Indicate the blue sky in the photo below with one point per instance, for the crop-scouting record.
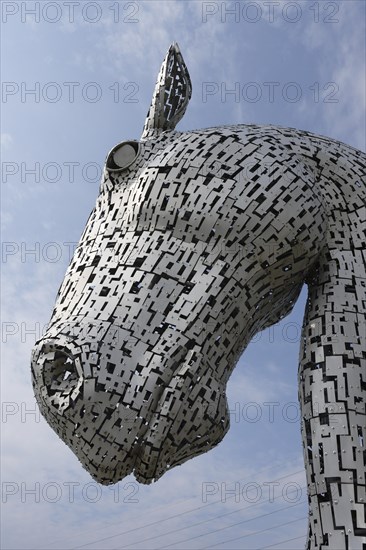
(311, 56)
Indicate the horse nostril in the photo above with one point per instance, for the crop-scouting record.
(59, 369)
(64, 367)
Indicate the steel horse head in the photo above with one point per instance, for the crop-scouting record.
(199, 240)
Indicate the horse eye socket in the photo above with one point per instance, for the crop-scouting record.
(122, 156)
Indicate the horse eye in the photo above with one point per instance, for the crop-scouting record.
(122, 156)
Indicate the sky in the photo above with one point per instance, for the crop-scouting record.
(77, 79)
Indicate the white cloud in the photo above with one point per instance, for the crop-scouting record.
(6, 220)
(6, 140)
(339, 52)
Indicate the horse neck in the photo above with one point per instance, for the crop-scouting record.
(337, 283)
(333, 359)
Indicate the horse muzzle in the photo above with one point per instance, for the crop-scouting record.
(141, 421)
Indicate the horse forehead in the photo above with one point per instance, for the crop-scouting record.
(207, 141)
(225, 147)
(197, 162)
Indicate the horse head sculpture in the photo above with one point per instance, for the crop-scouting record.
(199, 240)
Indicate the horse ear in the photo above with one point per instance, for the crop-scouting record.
(172, 93)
